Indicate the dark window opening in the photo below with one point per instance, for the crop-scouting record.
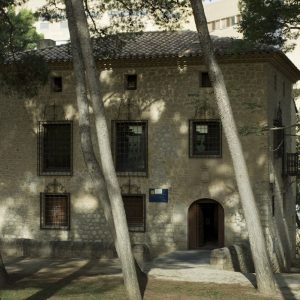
(278, 136)
(55, 211)
(131, 82)
(278, 139)
(134, 206)
(205, 138)
(204, 80)
(130, 147)
(56, 84)
(55, 148)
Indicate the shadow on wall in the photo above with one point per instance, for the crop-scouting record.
(168, 109)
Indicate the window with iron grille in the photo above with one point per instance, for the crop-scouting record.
(134, 206)
(55, 148)
(204, 79)
(130, 147)
(205, 138)
(292, 162)
(55, 211)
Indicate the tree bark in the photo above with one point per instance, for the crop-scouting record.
(3, 273)
(264, 275)
(111, 181)
(84, 124)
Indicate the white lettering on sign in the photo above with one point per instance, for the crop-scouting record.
(158, 191)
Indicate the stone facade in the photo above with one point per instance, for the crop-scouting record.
(167, 96)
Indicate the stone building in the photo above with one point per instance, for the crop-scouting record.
(172, 159)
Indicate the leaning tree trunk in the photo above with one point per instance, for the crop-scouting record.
(3, 273)
(264, 275)
(117, 206)
(85, 127)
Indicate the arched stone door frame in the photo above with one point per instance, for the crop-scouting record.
(196, 223)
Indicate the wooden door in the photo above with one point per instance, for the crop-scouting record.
(192, 226)
(220, 226)
(195, 226)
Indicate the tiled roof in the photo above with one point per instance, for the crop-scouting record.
(156, 44)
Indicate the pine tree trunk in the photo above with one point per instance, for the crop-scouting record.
(3, 273)
(85, 127)
(117, 206)
(264, 275)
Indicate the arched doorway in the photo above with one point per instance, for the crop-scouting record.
(205, 224)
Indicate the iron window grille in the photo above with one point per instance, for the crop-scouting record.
(205, 80)
(131, 82)
(55, 149)
(135, 209)
(55, 211)
(129, 140)
(205, 138)
(292, 166)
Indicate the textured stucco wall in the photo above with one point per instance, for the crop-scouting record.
(167, 97)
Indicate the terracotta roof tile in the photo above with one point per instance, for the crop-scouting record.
(158, 44)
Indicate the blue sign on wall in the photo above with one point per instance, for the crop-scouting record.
(158, 195)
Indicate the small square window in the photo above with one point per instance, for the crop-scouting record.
(131, 82)
(204, 80)
(135, 208)
(55, 211)
(205, 138)
(56, 84)
(130, 147)
(55, 148)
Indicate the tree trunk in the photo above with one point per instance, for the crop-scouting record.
(3, 273)
(264, 275)
(85, 127)
(117, 206)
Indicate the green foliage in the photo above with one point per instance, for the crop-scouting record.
(125, 16)
(273, 22)
(17, 32)
(25, 73)
(25, 76)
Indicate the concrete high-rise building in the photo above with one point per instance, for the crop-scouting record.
(223, 16)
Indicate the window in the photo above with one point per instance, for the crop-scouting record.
(130, 147)
(63, 25)
(293, 164)
(204, 79)
(134, 206)
(55, 148)
(56, 84)
(278, 137)
(205, 138)
(44, 26)
(131, 82)
(55, 211)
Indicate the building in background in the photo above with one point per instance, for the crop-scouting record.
(223, 17)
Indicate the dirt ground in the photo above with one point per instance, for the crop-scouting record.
(111, 288)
